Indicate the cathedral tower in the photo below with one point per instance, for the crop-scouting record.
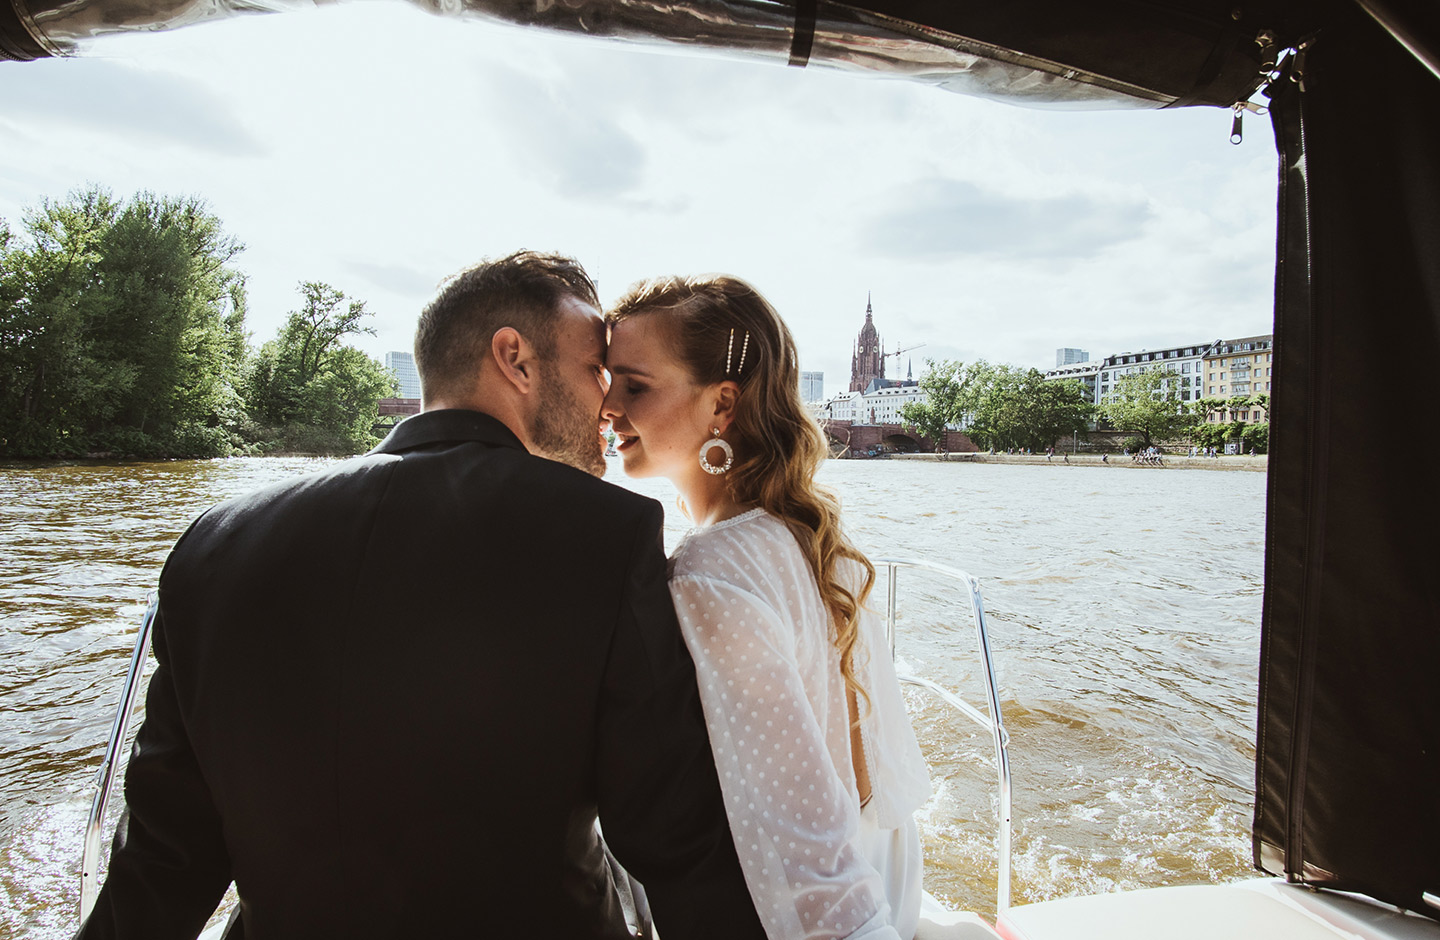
(867, 363)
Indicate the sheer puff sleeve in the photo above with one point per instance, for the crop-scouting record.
(792, 817)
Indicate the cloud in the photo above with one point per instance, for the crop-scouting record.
(940, 218)
(396, 278)
(566, 135)
(115, 98)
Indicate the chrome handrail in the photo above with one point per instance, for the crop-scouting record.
(105, 780)
(994, 721)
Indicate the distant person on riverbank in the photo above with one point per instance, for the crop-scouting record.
(393, 696)
(771, 598)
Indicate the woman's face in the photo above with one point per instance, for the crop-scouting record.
(659, 415)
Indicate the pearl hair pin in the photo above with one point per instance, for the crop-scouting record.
(730, 351)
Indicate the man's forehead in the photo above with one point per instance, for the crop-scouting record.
(583, 324)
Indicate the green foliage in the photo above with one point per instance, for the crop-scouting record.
(122, 332)
(118, 326)
(1250, 436)
(1256, 437)
(1148, 404)
(1211, 435)
(945, 385)
(305, 390)
(1000, 405)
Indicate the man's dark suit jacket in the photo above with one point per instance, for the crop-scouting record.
(392, 696)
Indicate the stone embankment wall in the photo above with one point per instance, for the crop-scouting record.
(1258, 462)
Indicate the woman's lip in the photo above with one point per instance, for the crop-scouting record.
(625, 442)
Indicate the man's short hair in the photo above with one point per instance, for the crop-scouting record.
(522, 291)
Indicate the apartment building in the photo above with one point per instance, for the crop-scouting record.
(1239, 367)
(1101, 378)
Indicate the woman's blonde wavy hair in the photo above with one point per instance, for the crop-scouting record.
(778, 444)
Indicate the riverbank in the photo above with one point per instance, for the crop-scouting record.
(1259, 462)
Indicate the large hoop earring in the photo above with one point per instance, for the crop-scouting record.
(716, 441)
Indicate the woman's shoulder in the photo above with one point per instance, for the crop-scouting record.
(740, 550)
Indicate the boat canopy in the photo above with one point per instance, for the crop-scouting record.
(1348, 731)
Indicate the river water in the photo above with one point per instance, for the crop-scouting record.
(1123, 604)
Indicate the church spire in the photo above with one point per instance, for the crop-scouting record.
(868, 360)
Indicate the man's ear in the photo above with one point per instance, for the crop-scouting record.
(726, 395)
(515, 358)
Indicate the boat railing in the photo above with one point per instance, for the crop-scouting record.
(105, 779)
(994, 721)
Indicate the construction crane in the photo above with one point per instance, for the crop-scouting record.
(899, 352)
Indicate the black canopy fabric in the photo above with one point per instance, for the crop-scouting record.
(1049, 53)
(1189, 52)
(1348, 747)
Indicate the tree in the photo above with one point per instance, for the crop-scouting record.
(1209, 434)
(1149, 404)
(998, 405)
(306, 389)
(945, 402)
(1256, 437)
(1053, 409)
(168, 309)
(121, 329)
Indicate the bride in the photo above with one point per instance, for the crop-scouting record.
(820, 769)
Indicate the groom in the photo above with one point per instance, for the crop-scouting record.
(393, 696)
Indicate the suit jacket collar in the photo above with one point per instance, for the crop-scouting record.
(447, 425)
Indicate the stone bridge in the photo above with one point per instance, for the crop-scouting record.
(860, 440)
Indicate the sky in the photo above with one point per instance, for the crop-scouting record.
(380, 149)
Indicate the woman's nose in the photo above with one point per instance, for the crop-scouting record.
(609, 407)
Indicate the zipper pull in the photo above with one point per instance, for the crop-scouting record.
(1297, 68)
(1269, 55)
(1239, 108)
(1269, 51)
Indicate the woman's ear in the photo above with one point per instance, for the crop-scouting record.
(726, 395)
(514, 357)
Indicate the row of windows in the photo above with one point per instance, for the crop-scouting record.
(1238, 374)
(1245, 347)
(1242, 388)
(1184, 369)
(1255, 415)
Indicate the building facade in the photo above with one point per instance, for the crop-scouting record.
(881, 403)
(1086, 373)
(812, 386)
(867, 362)
(1185, 363)
(1069, 356)
(1240, 368)
(1101, 378)
(403, 365)
(1218, 369)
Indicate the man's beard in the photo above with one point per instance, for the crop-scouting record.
(561, 430)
